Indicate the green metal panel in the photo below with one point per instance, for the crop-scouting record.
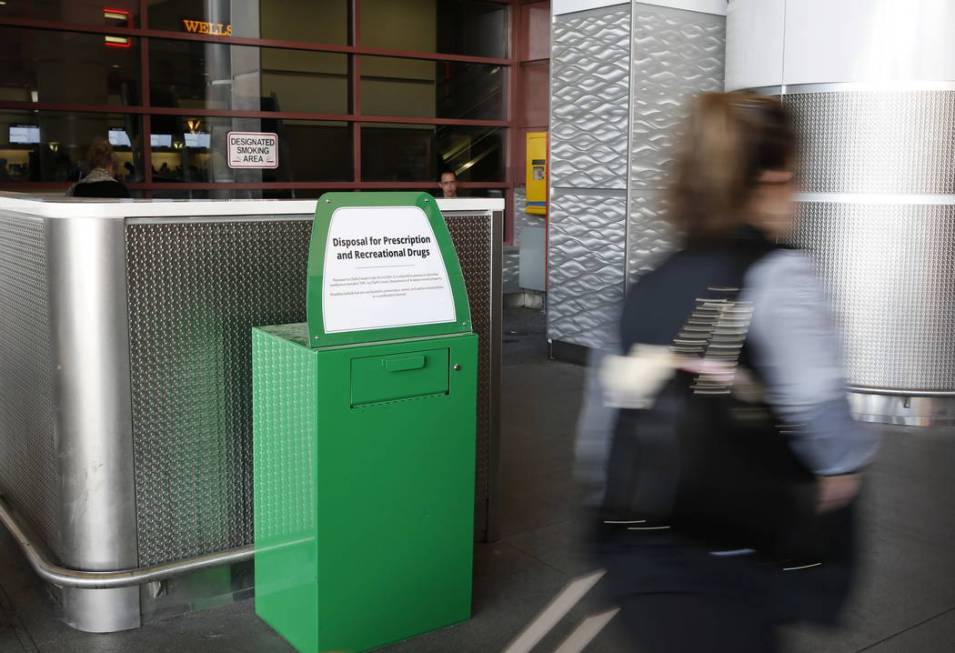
(327, 205)
(378, 546)
(285, 404)
(404, 376)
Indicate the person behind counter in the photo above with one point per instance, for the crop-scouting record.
(100, 180)
(449, 184)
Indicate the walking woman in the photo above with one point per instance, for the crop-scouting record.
(732, 476)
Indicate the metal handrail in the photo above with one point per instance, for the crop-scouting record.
(65, 577)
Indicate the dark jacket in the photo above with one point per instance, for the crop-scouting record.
(98, 183)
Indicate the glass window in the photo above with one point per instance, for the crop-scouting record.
(468, 27)
(315, 21)
(112, 13)
(196, 75)
(49, 146)
(295, 80)
(419, 153)
(47, 66)
(218, 17)
(194, 149)
(430, 89)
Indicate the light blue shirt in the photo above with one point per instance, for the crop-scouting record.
(796, 349)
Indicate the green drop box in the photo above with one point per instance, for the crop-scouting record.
(364, 434)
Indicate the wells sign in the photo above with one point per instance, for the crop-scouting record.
(202, 27)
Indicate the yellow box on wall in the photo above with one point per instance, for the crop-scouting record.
(537, 172)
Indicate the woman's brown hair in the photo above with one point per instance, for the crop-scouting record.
(730, 139)
(100, 154)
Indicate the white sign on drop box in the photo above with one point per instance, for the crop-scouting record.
(253, 149)
(383, 269)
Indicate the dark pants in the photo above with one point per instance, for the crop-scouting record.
(674, 595)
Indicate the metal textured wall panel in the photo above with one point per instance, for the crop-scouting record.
(29, 475)
(676, 54)
(196, 287)
(590, 91)
(876, 141)
(586, 271)
(649, 234)
(512, 252)
(473, 237)
(195, 291)
(890, 273)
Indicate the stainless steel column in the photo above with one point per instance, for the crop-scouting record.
(872, 88)
(87, 286)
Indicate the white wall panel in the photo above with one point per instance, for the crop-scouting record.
(570, 6)
(754, 43)
(827, 41)
(717, 7)
(869, 41)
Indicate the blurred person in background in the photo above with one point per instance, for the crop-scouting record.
(449, 184)
(100, 180)
(726, 502)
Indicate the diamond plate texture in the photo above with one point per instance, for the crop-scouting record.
(285, 395)
(586, 270)
(29, 477)
(890, 272)
(590, 89)
(195, 290)
(472, 235)
(876, 141)
(649, 234)
(676, 54)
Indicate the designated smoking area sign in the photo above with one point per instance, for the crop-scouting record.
(364, 424)
(253, 149)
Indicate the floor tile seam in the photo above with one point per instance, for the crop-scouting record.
(907, 629)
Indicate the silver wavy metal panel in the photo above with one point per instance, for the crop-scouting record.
(676, 54)
(876, 141)
(195, 290)
(586, 270)
(649, 235)
(28, 462)
(590, 71)
(890, 271)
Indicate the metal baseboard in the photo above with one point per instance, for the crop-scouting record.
(901, 410)
(568, 352)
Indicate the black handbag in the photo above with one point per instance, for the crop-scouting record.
(708, 464)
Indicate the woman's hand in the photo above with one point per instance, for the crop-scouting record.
(836, 492)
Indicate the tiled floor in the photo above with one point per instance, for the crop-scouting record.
(905, 602)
